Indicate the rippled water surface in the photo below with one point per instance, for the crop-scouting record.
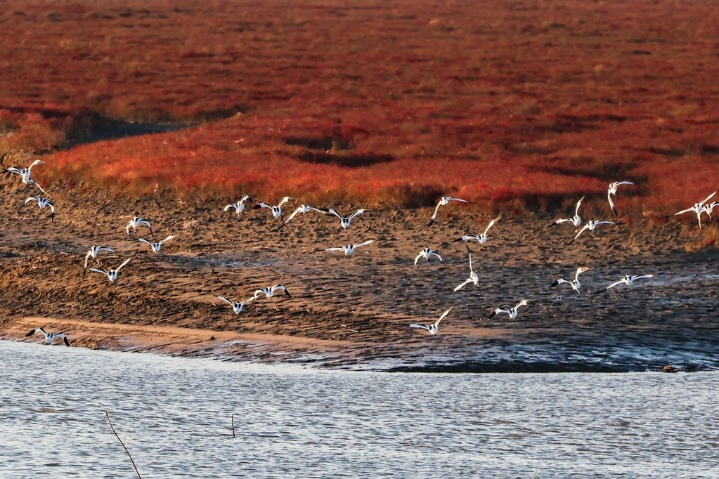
(175, 416)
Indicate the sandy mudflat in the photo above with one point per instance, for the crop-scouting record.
(354, 312)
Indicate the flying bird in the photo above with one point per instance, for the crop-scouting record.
(426, 253)
(613, 192)
(591, 225)
(575, 284)
(576, 220)
(301, 209)
(270, 291)
(473, 278)
(43, 203)
(628, 279)
(275, 209)
(239, 207)
(349, 249)
(481, 238)
(344, 220)
(112, 273)
(698, 208)
(25, 174)
(432, 328)
(94, 251)
(512, 312)
(237, 306)
(709, 208)
(442, 202)
(49, 337)
(156, 247)
(136, 222)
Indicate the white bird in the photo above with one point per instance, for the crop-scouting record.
(576, 220)
(613, 192)
(575, 284)
(481, 238)
(270, 291)
(112, 273)
(94, 251)
(43, 203)
(275, 209)
(426, 253)
(709, 208)
(432, 328)
(136, 222)
(628, 279)
(442, 202)
(301, 209)
(512, 312)
(156, 247)
(473, 278)
(50, 337)
(349, 249)
(344, 220)
(237, 307)
(239, 207)
(25, 174)
(591, 225)
(698, 208)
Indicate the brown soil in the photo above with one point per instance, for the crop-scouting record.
(354, 312)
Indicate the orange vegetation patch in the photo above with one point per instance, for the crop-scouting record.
(388, 103)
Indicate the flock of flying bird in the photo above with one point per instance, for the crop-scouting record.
(700, 208)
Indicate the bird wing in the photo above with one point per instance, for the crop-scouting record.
(222, 298)
(167, 239)
(492, 223)
(284, 200)
(421, 253)
(468, 280)
(452, 198)
(558, 282)
(580, 270)
(603, 222)
(232, 205)
(340, 248)
(421, 326)
(32, 331)
(13, 169)
(144, 241)
(643, 276)
(560, 221)
(87, 256)
(436, 209)
(584, 228)
(684, 211)
(579, 203)
(436, 254)
(294, 213)
(333, 212)
(619, 183)
(249, 300)
(99, 271)
(611, 204)
(32, 198)
(364, 243)
(614, 284)
(64, 339)
(708, 198)
(36, 162)
(444, 315)
(356, 213)
(39, 187)
(124, 263)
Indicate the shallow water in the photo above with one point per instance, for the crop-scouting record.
(175, 417)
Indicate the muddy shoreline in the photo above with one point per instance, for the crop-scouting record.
(353, 312)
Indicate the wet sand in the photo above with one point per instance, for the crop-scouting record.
(353, 312)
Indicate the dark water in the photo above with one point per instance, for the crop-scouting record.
(175, 417)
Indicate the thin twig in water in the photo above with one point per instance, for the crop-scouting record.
(123, 444)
